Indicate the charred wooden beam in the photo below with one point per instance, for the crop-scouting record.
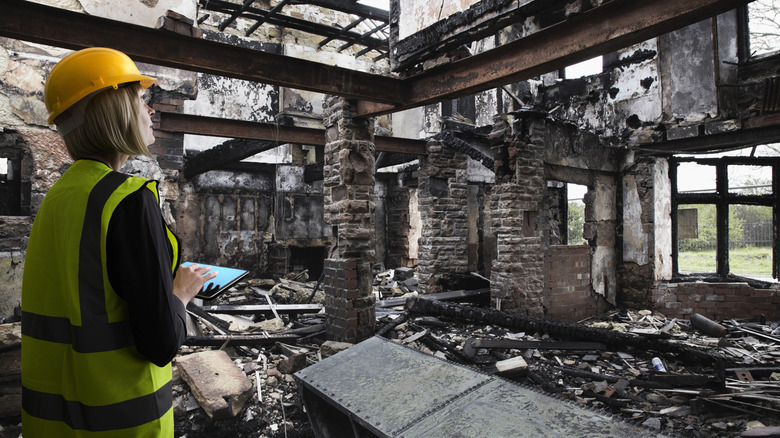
(228, 152)
(292, 309)
(566, 330)
(601, 30)
(235, 14)
(477, 295)
(57, 27)
(243, 340)
(350, 7)
(216, 127)
(271, 13)
(453, 142)
(344, 30)
(472, 344)
(262, 15)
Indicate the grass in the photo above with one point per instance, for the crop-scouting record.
(754, 260)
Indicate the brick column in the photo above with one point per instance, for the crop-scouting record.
(443, 197)
(349, 209)
(398, 226)
(517, 274)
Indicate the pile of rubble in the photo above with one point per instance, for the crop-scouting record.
(665, 374)
(234, 375)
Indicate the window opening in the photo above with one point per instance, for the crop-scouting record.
(696, 224)
(723, 213)
(576, 213)
(590, 67)
(764, 26)
(10, 187)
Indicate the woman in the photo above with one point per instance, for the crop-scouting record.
(103, 297)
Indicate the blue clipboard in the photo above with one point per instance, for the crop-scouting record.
(225, 279)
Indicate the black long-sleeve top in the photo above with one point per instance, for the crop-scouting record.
(139, 269)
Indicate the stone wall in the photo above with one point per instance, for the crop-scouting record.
(515, 203)
(443, 198)
(398, 226)
(646, 250)
(349, 200)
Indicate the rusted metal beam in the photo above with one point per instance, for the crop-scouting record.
(745, 137)
(229, 128)
(601, 30)
(57, 27)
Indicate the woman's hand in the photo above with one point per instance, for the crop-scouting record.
(189, 280)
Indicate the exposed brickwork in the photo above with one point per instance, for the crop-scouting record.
(398, 227)
(567, 291)
(716, 301)
(636, 270)
(168, 146)
(443, 195)
(517, 274)
(349, 199)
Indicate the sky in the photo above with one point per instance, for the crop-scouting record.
(382, 4)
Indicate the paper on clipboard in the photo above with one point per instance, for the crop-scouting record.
(225, 279)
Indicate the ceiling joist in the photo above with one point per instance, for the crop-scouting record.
(57, 27)
(604, 29)
(599, 31)
(279, 134)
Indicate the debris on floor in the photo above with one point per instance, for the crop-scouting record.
(679, 377)
(662, 373)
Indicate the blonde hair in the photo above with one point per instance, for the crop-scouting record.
(110, 123)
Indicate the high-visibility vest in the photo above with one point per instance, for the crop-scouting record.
(81, 372)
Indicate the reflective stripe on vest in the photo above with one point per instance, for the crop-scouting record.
(104, 336)
(79, 416)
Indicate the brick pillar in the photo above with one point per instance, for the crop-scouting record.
(398, 226)
(349, 210)
(443, 198)
(514, 204)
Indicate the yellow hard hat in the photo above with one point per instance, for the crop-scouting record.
(86, 71)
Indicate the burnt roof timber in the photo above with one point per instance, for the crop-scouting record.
(724, 141)
(350, 7)
(271, 13)
(230, 128)
(57, 27)
(345, 29)
(612, 26)
(601, 30)
(271, 17)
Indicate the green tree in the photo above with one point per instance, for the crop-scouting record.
(575, 223)
(708, 228)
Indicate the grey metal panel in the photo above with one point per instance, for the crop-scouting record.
(501, 409)
(395, 391)
(387, 386)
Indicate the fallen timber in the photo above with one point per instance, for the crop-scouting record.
(423, 306)
(244, 340)
(480, 295)
(267, 310)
